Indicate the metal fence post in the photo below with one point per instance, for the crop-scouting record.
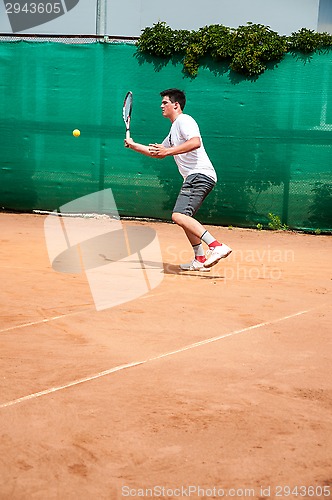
(101, 17)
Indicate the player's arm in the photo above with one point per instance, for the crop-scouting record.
(136, 146)
(160, 151)
(140, 148)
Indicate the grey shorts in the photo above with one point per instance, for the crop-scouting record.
(193, 192)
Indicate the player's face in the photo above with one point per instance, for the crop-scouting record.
(167, 107)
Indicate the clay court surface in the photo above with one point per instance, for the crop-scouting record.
(228, 391)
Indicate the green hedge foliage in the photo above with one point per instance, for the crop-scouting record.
(248, 49)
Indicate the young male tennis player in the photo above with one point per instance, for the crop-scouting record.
(184, 142)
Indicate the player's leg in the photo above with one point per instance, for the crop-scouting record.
(193, 192)
(187, 204)
(192, 231)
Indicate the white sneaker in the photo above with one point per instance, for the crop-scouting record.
(219, 252)
(194, 265)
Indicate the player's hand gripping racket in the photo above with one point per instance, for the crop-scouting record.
(127, 109)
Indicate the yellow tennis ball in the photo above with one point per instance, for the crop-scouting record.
(76, 132)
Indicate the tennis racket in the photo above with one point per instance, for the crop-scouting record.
(126, 113)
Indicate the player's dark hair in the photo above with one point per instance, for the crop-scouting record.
(175, 95)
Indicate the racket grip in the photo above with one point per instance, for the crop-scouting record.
(128, 134)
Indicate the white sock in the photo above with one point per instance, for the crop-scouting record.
(208, 238)
(199, 250)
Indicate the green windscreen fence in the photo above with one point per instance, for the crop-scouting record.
(270, 139)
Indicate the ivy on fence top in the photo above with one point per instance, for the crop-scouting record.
(248, 49)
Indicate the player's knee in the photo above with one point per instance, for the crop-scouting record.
(177, 217)
(180, 219)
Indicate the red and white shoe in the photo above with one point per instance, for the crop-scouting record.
(215, 254)
(194, 265)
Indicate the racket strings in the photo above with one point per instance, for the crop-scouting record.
(127, 106)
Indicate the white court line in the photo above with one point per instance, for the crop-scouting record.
(46, 320)
(148, 360)
(39, 322)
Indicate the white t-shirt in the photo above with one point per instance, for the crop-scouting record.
(194, 162)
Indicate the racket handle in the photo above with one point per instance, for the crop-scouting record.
(127, 137)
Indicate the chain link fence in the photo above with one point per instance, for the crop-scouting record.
(269, 139)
